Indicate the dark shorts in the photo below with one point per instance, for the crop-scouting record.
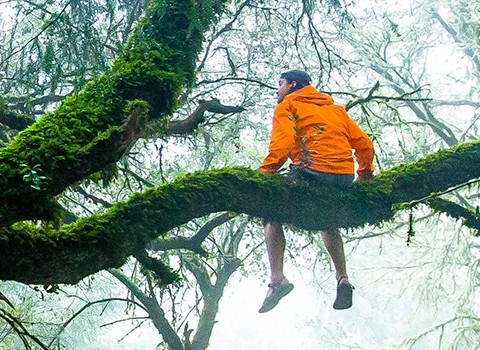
(299, 171)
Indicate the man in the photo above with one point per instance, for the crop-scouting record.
(318, 137)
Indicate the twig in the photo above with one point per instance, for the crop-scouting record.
(66, 323)
(36, 36)
(20, 329)
(438, 194)
(226, 28)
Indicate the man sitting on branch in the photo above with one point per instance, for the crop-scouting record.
(318, 137)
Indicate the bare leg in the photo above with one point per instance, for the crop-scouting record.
(275, 242)
(334, 243)
(279, 286)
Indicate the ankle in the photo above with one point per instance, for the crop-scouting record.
(279, 280)
(342, 279)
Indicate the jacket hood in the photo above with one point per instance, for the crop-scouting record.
(309, 94)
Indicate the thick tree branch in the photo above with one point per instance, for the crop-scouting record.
(15, 206)
(211, 304)
(13, 120)
(99, 242)
(199, 271)
(19, 103)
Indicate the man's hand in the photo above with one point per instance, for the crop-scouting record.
(364, 176)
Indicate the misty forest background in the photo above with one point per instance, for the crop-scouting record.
(108, 241)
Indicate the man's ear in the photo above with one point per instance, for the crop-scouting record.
(294, 83)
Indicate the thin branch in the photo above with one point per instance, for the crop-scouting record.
(438, 194)
(413, 340)
(192, 243)
(137, 177)
(123, 320)
(189, 124)
(226, 28)
(371, 97)
(86, 306)
(48, 25)
(20, 329)
(93, 198)
(236, 79)
(155, 312)
(456, 103)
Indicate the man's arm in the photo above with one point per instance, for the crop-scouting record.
(282, 139)
(364, 151)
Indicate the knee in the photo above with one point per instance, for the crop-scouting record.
(272, 226)
(331, 233)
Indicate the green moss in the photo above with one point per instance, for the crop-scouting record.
(442, 169)
(470, 218)
(155, 269)
(102, 241)
(156, 66)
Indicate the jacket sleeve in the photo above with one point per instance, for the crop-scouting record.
(363, 146)
(282, 139)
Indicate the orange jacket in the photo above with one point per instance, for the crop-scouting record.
(310, 130)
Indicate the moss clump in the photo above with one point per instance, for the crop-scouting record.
(470, 218)
(443, 169)
(159, 60)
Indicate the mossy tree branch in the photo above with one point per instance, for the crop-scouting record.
(103, 241)
(154, 68)
(15, 121)
(92, 129)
